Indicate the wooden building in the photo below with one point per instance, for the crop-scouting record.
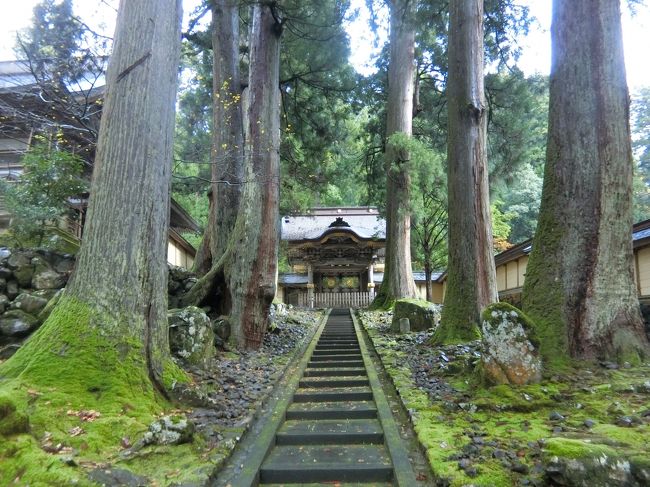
(27, 111)
(511, 267)
(335, 254)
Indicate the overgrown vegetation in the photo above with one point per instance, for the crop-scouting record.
(505, 435)
(43, 194)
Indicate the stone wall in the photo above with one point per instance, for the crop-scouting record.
(30, 279)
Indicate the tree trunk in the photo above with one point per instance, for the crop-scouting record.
(579, 287)
(243, 280)
(228, 134)
(471, 282)
(398, 276)
(427, 277)
(112, 318)
(256, 235)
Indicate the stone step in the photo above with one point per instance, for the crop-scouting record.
(331, 432)
(336, 351)
(337, 484)
(350, 463)
(337, 363)
(331, 372)
(336, 357)
(338, 382)
(337, 343)
(333, 394)
(332, 410)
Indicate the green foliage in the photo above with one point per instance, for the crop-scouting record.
(59, 47)
(641, 149)
(521, 199)
(40, 196)
(500, 227)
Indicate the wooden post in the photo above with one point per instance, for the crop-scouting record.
(310, 285)
(371, 281)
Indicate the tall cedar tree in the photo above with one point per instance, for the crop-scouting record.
(471, 282)
(398, 277)
(579, 287)
(113, 314)
(243, 280)
(228, 135)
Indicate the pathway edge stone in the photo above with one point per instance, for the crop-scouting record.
(404, 475)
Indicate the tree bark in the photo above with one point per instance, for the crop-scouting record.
(398, 276)
(427, 277)
(256, 235)
(228, 134)
(113, 314)
(242, 282)
(471, 282)
(579, 287)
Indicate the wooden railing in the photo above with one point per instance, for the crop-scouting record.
(336, 300)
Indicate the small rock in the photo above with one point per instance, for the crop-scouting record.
(589, 423)
(555, 416)
(48, 279)
(116, 476)
(17, 323)
(498, 454)
(519, 467)
(29, 303)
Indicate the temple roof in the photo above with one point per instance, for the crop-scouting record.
(364, 222)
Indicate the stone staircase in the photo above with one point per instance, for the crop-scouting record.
(331, 432)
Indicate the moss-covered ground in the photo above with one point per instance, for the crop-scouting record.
(500, 436)
(56, 428)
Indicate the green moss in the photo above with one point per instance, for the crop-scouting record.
(542, 295)
(22, 462)
(172, 375)
(573, 449)
(459, 319)
(73, 364)
(11, 421)
(75, 353)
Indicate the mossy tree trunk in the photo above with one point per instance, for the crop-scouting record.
(227, 137)
(471, 282)
(242, 283)
(398, 276)
(112, 319)
(579, 287)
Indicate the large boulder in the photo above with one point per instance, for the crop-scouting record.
(17, 323)
(422, 315)
(573, 462)
(29, 303)
(48, 279)
(190, 335)
(509, 354)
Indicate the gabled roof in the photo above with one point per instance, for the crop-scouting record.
(16, 75)
(363, 222)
